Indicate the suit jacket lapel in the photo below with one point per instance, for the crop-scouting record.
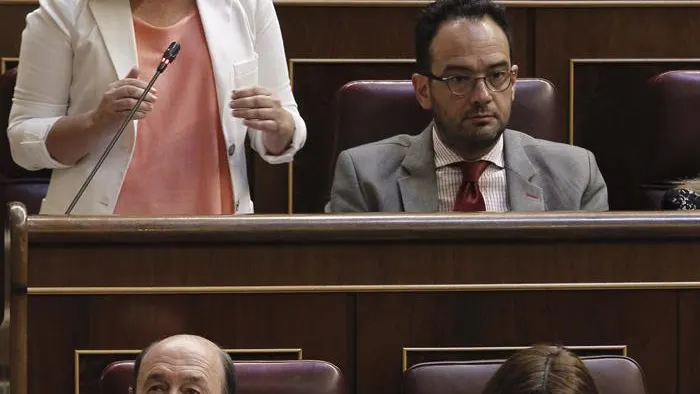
(419, 185)
(114, 20)
(523, 193)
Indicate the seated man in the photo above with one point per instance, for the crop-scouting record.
(183, 364)
(466, 160)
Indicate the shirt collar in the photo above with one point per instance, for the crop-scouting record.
(445, 156)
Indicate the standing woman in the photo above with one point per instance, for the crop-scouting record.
(83, 64)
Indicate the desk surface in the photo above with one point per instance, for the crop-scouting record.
(582, 226)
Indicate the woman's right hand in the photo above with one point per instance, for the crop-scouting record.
(121, 96)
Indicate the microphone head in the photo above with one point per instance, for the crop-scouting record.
(172, 51)
(169, 56)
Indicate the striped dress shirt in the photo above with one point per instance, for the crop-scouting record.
(492, 182)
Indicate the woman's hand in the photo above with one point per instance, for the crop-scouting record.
(121, 96)
(261, 111)
(73, 137)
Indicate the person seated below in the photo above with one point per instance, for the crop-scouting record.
(183, 364)
(466, 159)
(685, 196)
(542, 369)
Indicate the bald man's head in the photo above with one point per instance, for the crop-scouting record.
(184, 361)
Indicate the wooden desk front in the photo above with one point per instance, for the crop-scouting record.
(371, 293)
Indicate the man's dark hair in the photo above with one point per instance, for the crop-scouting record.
(440, 11)
(227, 362)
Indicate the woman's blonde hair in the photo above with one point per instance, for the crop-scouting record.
(542, 369)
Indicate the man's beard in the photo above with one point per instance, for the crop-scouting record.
(461, 139)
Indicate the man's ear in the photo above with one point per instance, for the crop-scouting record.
(422, 89)
(515, 78)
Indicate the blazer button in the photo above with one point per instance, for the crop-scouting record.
(231, 149)
(237, 205)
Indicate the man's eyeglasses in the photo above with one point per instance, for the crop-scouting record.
(462, 85)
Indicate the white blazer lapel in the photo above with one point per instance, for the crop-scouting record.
(227, 28)
(216, 21)
(114, 21)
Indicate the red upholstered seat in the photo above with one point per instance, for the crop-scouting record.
(252, 377)
(612, 375)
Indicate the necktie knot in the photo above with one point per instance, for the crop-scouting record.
(469, 197)
(472, 170)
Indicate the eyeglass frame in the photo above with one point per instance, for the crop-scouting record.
(446, 81)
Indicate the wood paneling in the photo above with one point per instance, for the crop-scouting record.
(12, 20)
(131, 322)
(400, 264)
(347, 32)
(688, 354)
(364, 32)
(610, 102)
(520, 319)
(354, 291)
(562, 34)
(8, 63)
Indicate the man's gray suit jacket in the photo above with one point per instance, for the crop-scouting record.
(398, 175)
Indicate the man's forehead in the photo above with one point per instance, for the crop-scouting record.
(181, 352)
(187, 343)
(465, 37)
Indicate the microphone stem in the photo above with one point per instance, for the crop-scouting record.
(112, 142)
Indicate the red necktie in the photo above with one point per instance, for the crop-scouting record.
(469, 197)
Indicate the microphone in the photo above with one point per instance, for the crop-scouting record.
(168, 57)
